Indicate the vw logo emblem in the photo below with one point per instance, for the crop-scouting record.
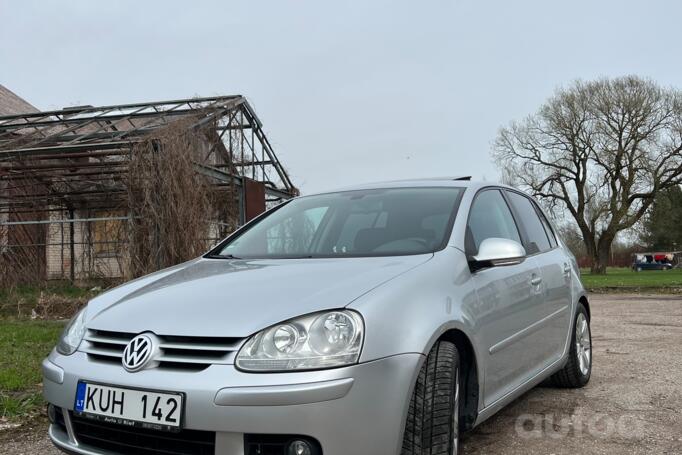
(137, 353)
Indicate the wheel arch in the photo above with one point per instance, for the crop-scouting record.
(586, 304)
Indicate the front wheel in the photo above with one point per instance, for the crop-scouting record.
(432, 426)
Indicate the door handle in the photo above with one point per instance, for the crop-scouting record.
(567, 269)
(536, 281)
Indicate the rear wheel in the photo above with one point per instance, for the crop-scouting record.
(432, 426)
(576, 373)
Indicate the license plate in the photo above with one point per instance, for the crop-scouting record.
(131, 407)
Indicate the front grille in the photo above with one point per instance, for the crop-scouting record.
(176, 352)
(140, 441)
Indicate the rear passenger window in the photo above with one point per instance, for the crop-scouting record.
(548, 229)
(530, 223)
(489, 217)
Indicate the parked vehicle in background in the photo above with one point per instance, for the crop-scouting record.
(652, 261)
(639, 267)
(379, 320)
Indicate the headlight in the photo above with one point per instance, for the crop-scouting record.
(321, 340)
(72, 334)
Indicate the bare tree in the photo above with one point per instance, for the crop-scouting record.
(599, 151)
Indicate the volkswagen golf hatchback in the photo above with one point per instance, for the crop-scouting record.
(382, 319)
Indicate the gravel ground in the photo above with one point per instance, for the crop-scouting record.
(632, 405)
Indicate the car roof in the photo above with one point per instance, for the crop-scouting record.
(461, 182)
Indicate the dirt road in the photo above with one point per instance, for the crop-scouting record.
(633, 404)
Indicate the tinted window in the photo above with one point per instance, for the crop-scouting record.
(530, 222)
(352, 223)
(489, 217)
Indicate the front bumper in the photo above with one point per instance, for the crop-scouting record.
(359, 409)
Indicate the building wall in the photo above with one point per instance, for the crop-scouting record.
(89, 258)
(58, 261)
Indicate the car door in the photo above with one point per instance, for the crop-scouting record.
(508, 300)
(554, 315)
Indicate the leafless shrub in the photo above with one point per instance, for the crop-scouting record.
(171, 204)
(52, 306)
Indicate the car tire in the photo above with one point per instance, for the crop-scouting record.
(432, 426)
(577, 371)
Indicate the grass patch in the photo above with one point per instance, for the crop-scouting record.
(626, 280)
(23, 344)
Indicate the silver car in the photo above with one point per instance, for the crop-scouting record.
(382, 319)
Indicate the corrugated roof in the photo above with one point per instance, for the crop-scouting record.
(11, 103)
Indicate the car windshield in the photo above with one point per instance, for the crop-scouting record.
(376, 222)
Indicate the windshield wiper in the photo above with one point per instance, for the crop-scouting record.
(222, 256)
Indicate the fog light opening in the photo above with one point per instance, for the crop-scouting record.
(299, 447)
(51, 413)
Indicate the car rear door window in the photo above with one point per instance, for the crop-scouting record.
(489, 217)
(548, 229)
(537, 240)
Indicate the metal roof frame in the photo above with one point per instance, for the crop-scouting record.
(84, 144)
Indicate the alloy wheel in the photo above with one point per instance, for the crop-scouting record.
(583, 344)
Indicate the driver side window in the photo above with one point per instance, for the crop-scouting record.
(489, 217)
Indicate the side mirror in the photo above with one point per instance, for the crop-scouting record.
(495, 252)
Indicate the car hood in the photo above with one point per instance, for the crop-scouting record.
(236, 298)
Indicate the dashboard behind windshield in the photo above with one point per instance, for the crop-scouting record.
(365, 223)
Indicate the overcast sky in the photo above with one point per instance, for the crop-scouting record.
(348, 92)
